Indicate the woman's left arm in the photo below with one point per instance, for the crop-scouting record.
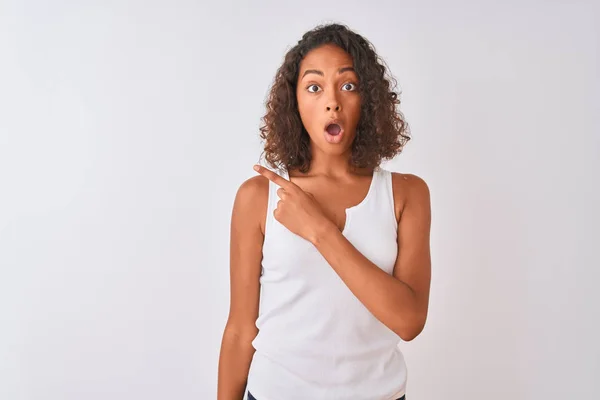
(400, 301)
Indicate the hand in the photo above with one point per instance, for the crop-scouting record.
(297, 210)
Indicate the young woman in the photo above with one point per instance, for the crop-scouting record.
(330, 256)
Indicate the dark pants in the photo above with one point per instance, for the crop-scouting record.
(250, 397)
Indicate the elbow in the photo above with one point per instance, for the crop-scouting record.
(408, 336)
(411, 331)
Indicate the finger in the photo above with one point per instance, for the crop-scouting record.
(277, 209)
(281, 193)
(274, 177)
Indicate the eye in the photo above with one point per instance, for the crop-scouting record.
(313, 86)
(349, 87)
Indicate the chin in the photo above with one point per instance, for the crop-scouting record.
(335, 149)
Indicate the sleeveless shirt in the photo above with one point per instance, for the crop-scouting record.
(316, 340)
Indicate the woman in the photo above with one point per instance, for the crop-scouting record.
(330, 256)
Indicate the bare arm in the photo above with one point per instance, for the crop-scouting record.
(399, 301)
(246, 242)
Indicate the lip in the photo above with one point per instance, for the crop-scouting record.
(331, 138)
(334, 121)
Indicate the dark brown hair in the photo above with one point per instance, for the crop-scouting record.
(382, 131)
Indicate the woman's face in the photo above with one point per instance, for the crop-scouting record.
(328, 98)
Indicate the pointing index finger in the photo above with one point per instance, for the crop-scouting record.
(273, 177)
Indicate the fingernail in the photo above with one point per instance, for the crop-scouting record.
(256, 167)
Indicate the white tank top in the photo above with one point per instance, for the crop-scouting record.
(316, 340)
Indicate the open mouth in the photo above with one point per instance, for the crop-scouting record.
(333, 129)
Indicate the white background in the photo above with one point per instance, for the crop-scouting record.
(126, 128)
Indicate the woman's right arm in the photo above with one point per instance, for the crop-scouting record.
(246, 239)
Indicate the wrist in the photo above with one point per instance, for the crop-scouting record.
(321, 231)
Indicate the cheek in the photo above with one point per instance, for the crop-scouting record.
(307, 108)
(353, 107)
(354, 102)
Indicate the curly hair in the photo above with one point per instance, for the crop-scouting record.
(382, 130)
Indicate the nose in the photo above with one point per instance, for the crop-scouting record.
(333, 104)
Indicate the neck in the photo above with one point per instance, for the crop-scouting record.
(334, 165)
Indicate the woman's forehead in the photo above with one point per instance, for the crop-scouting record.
(326, 56)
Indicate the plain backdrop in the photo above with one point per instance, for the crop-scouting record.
(126, 128)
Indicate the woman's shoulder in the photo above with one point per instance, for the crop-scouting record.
(252, 187)
(402, 180)
(407, 186)
(251, 200)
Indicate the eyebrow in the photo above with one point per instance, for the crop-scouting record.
(318, 72)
